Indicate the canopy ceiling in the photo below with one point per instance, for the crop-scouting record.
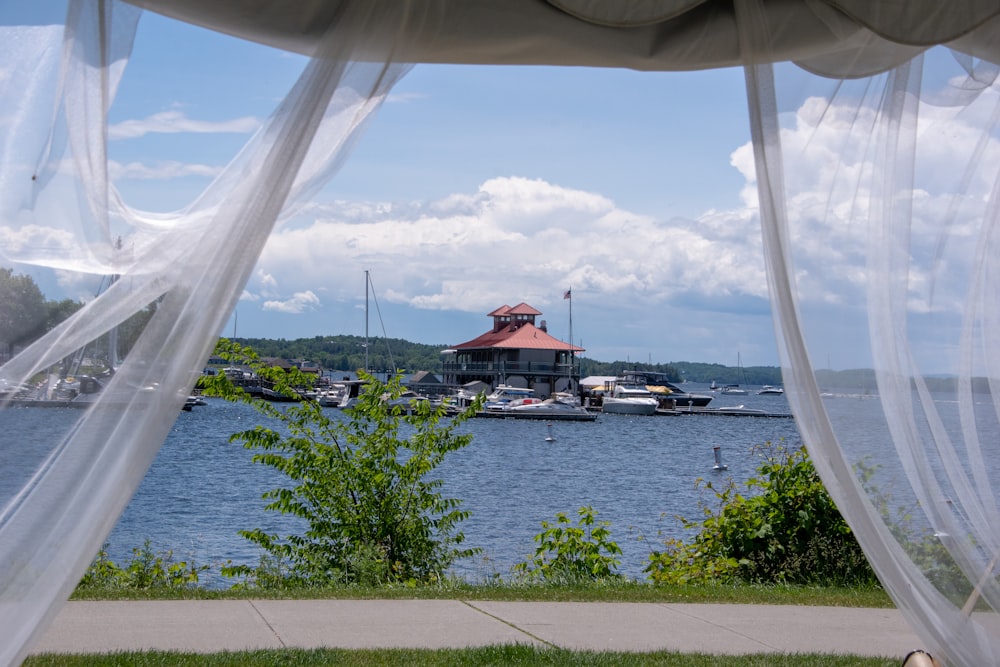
(832, 37)
(881, 190)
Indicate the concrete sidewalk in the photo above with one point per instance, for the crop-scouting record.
(208, 626)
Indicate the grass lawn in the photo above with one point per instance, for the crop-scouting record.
(490, 655)
(622, 591)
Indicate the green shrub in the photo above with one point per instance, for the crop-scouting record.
(573, 554)
(786, 530)
(921, 544)
(374, 514)
(147, 570)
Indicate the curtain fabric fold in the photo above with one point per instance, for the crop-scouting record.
(192, 266)
(886, 184)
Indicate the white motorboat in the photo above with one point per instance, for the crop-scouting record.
(768, 390)
(335, 396)
(629, 399)
(503, 395)
(551, 408)
(407, 401)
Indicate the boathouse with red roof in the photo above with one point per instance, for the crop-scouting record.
(515, 352)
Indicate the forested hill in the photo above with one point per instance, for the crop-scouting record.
(347, 353)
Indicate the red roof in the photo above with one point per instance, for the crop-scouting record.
(523, 309)
(525, 337)
(502, 310)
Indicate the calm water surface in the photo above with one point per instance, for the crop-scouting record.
(637, 472)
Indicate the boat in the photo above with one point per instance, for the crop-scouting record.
(769, 390)
(406, 401)
(337, 395)
(521, 403)
(503, 395)
(630, 399)
(193, 401)
(736, 389)
(550, 409)
(671, 397)
(741, 411)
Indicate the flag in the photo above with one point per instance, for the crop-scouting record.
(567, 295)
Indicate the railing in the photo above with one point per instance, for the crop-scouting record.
(511, 367)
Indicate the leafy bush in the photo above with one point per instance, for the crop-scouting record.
(146, 570)
(573, 554)
(921, 544)
(789, 531)
(374, 516)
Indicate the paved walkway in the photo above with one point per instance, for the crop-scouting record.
(216, 625)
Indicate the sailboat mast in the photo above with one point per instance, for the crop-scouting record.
(113, 361)
(366, 320)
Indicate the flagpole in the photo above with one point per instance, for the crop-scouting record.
(569, 293)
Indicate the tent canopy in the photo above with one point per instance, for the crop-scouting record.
(922, 242)
(830, 37)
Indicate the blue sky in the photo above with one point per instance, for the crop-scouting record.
(545, 178)
(475, 187)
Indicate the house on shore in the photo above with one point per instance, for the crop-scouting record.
(515, 352)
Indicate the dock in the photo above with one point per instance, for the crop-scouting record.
(736, 411)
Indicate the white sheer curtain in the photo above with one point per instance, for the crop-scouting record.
(61, 211)
(887, 186)
(876, 157)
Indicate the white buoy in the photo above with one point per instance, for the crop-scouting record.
(550, 437)
(719, 465)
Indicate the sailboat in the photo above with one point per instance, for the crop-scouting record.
(736, 389)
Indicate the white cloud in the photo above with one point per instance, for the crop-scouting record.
(515, 239)
(159, 171)
(298, 303)
(30, 238)
(171, 122)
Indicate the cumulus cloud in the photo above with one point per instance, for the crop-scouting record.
(298, 303)
(20, 242)
(517, 238)
(171, 122)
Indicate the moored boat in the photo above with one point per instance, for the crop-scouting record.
(669, 394)
(550, 408)
(630, 399)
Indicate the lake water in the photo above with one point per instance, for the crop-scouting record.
(637, 472)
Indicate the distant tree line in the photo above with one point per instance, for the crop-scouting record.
(347, 353)
(26, 315)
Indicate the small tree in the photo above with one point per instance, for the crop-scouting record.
(374, 515)
(22, 309)
(573, 554)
